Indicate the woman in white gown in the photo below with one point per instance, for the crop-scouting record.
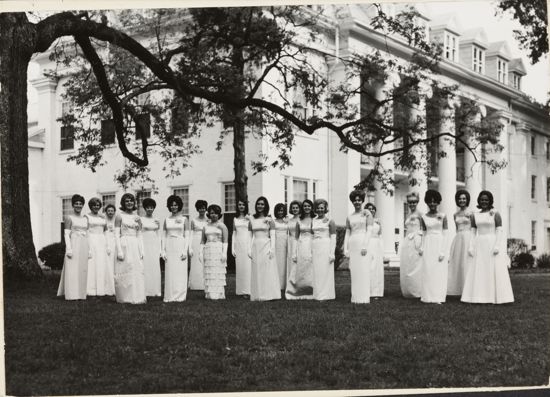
(214, 254)
(151, 248)
(410, 251)
(129, 272)
(458, 255)
(322, 252)
(264, 278)
(355, 248)
(174, 251)
(375, 253)
(300, 278)
(281, 242)
(487, 278)
(100, 278)
(196, 270)
(74, 276)
(434, 258)
(110, 212)
(240, 247)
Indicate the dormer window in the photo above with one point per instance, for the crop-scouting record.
(478, 60)
(516, 81)
(450, 46)
(502, 71)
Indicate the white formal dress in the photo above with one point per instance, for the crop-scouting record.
(281, 250)
(323, 269)
(264, 277)
(375, 253)
(242, 260)
(300, 276)
(175, 268)
(196, 268)
(410, 268)
(214, 267)
(74, 276)
(434, 271)
(100, 276)
(459, 259)
(151, 256)
(359, 266)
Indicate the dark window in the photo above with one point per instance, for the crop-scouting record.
(180, 117)
(107, 132)
(67, 137)
(143, 125)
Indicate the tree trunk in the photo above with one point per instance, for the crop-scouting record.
(17, 38)
(239, 158)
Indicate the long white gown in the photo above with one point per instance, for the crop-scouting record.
(151, 256)
(264, 284)
(111, 248)
(359, 266)
(375, 253)
(242, 260)
(175, 268)
(487, 278)
(196, 268)
(281, 250)
(214, 268)
(74, 276)
(300, 276)
(323, 269)
(410, 267)
(458, 255)
(434, 272)
(100, 278)
(129, 273)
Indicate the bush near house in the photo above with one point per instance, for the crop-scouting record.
(339, 253)
(543, 261)
(52, 255)
(515, 247)
(523, 260)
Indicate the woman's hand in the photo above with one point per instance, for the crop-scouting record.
(69, 254)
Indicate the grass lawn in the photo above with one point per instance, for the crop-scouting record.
(100, 347)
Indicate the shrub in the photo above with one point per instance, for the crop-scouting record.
(52, 255)
(523, 260)
(543, 261)
(339, 253)
(516, 246)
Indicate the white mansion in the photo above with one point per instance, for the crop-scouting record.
(483, 70)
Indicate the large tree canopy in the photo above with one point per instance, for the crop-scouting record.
(213, 62)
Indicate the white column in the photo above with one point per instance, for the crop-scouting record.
(446, 166)
(473, 170)
(497, 183)
(47, 115)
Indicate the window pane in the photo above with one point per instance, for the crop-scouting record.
(67, 137)
(533, 186)
(139, 198)
(143, 123)
(300, 190)
(107, 132)
(66, 207)
(108, 199)
(183, 193)
(229, 197)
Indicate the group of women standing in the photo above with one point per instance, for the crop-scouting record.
(290, 255)
(475, 267)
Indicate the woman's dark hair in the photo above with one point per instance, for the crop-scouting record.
(174, 199)
(245, 207)
(123, 199)
(94, 200)
(432, 195)
(109, 206)
(302, 214)
(149, 202)
(295, 202)
(200, 204)
(279, 206)
(216, 209)
(371, 205)
(357, 193)
(266, 207)
(489, 196)
(318, 202)
(462, 192)
(77, 197)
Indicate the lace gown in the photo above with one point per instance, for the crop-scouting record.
(410, 268)
(323, 269)
(242, 260)
(214, 268)
(175, 268)
(196, 271)
(375, 252)
(359, 266)
(281, 250)
(487, 279)
(129, 273)
(151, 256)
(434, 272)
(74, 276)
(100, 276)
(300, 276)
(458, 256)
(264, 284)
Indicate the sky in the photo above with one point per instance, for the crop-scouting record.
(469, 14)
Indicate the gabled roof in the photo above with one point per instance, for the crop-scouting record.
(517, 66)
(37, 134)
(499, 48)
(475, 36)
(446, 22)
